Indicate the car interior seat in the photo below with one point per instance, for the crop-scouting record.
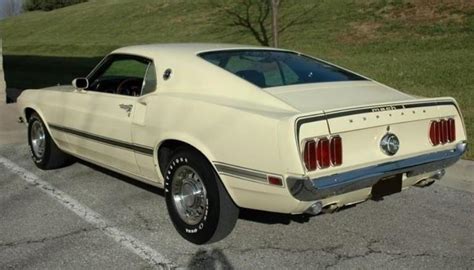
(253, 76)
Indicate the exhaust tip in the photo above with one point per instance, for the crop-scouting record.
(314, 209)
(428, 181)
(439, 174)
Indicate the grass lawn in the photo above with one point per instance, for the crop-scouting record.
(423, 47)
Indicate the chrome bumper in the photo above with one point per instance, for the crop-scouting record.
(305, 189)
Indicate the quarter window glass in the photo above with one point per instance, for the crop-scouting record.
(150, 80)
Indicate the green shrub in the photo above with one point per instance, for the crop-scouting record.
(47, 5)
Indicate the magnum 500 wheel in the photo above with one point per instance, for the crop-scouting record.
(198, 204)
(45, 153)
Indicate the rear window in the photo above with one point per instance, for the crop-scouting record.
(266, 68)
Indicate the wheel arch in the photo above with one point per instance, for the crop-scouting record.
(167, 147)
(29, 110)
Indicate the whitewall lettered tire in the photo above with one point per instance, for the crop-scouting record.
(199, 206)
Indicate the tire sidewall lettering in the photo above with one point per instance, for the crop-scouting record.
(172, 167)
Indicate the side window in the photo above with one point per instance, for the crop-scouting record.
(150, 80)
(121, 75)
(126, 68)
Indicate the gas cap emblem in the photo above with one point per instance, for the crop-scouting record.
(390, 144)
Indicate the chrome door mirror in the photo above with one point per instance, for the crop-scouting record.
(80, 83)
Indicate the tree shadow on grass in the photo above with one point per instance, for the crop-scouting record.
(32, 72)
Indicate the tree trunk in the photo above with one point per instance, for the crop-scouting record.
(275, 6)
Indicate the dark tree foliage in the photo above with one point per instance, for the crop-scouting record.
(262, 18)
(47, 5)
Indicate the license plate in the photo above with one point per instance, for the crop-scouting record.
(386, 186)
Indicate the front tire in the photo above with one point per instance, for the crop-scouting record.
(199, 206)
(45, 153)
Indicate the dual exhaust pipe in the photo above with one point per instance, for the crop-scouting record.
(430, 180)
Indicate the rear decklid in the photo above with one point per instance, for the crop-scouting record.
(334, 95)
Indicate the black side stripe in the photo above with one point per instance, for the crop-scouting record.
(244, 173)
(240, 172)
(133, 147)
(328, 116)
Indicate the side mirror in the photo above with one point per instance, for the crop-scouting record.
(80, 83)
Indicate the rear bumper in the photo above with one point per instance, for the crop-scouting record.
(305, 189)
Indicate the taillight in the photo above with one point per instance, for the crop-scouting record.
(442, 131)
(309, 155)
(322, 153)
(451, 130)
(336, 151)
(434, 133)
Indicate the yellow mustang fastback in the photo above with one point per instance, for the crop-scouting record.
(222, 127)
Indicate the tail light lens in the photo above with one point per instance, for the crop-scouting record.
(322, 153)
(435, 133)
(336, 151)
(442, 131)
(451, 130)
(309, 155)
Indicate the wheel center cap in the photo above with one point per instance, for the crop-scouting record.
(188, 194)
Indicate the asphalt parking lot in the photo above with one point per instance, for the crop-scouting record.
(86, 217)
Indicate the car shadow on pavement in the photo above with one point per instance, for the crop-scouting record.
(123, 178)
(245, 214)
(272, 218)
(209, 260)
(286, 219)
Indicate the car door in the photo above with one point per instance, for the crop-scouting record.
(99, 118)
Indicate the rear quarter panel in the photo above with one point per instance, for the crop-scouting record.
(238, 134)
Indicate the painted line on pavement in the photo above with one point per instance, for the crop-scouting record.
(153, 257)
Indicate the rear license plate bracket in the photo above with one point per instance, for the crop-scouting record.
(387, 186)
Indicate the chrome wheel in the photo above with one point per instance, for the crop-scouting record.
(189, 195)
(38, 139)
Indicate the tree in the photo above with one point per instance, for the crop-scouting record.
(254, 16)
(10, 8)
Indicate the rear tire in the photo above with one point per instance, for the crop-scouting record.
(45, 153)
(198, 203)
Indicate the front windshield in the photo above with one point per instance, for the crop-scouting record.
(267, 68)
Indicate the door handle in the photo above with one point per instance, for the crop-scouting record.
(126, 107)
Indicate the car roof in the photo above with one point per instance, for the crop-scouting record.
(183, 49)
